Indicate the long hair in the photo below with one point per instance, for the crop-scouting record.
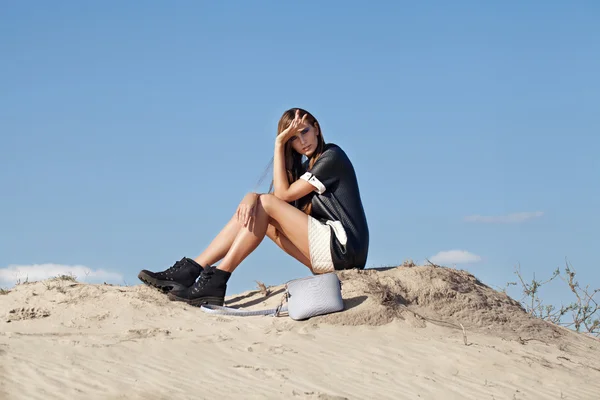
(293, 159)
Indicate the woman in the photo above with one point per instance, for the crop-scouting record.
(314, 213)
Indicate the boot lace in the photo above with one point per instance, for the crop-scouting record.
(175, 267)
(203, 280)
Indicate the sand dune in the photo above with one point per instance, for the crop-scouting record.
(400, 336)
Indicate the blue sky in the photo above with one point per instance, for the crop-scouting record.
(131, 130)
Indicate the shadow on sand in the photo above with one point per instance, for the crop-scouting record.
(232, 302)
(353, 302)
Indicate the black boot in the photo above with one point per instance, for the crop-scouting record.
(179, 276)
(209, 289)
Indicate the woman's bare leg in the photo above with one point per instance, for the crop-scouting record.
(293, 238)
(276, 235)
(221, 244)
(292, 222)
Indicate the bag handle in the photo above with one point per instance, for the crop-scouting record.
(222, 310)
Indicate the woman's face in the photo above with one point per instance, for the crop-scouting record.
(306, 141)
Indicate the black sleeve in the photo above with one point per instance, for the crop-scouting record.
(326, 171)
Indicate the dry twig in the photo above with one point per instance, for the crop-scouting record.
(464, 334)
(432, 264)
(263, 288)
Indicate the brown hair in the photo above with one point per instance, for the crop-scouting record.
(293, 160)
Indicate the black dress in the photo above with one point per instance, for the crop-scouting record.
(337, 198)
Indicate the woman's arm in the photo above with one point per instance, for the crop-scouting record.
(282, 188)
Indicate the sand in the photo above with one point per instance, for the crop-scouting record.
(400, 337)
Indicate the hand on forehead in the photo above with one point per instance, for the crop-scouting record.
(298, 120)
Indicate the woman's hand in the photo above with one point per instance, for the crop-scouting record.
(247, 208)
(296, 126)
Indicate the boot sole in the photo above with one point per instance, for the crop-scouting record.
(208, 300)
(165, 286)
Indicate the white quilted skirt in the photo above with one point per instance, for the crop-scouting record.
(319, 246)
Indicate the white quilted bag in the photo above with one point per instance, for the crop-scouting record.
(314, 295)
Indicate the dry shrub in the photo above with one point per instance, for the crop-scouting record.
(581, 315)
(70, 277)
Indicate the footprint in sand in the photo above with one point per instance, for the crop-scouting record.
(276, 349)
(147, 333)
(280, 349)
(265, 372)
(17, 314)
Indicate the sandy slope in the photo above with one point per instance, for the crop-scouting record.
(400, 337)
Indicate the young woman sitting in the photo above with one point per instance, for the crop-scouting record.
(314, 213)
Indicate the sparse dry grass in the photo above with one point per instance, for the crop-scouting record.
(60, 282)
(385, 295)
(70, 277)
(22, 282)
(58, 286)
(56, 283)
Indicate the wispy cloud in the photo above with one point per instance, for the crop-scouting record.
(505, 219)
(454, 257)
(13, 273)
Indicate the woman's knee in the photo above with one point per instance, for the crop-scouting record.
(267, 201)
